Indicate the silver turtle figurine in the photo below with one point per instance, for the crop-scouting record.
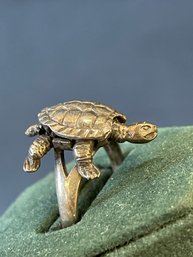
(83, 127)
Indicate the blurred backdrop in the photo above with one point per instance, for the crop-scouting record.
(136, 56)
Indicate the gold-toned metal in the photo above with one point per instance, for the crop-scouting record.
(82, 127)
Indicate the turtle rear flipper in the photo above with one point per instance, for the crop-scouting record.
(31, 165)
(37, 150)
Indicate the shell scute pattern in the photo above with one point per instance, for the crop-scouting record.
(80, 120)
(57, 114)
(86, 120)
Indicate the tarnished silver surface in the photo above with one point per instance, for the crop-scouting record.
(82, 127)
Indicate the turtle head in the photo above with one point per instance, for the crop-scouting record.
(141, 132)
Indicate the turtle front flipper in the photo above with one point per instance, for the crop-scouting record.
(83, 152)
(37, 150)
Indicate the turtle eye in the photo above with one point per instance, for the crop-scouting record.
(146, 127)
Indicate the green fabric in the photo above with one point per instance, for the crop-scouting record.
(145, 208)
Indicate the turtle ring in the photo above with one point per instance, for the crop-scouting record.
(82, 127)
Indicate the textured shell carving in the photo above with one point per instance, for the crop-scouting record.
(80, 120)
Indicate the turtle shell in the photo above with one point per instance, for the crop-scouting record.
(80, 119)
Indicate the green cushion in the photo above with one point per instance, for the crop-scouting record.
(145, 208)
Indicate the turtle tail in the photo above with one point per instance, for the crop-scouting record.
(33, 130)
(37, 150)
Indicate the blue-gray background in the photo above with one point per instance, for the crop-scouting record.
(136, 56)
